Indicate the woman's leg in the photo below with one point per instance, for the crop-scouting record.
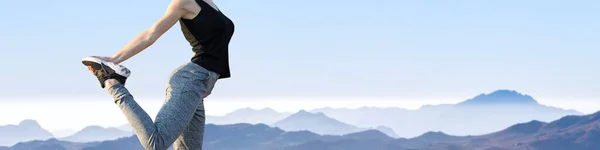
(193, 135)
(186, 88)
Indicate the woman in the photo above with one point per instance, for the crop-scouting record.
(180, 121)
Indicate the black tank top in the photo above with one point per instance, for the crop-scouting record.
(209, 34)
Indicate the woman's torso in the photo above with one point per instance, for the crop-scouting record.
(209, 34)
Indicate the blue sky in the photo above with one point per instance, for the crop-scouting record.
(310, 48)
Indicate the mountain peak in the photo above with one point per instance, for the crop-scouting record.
(316, 122)
(304, 113)
(368, 134)
(528, 127)
(29, 123)
(387, 130)
(571, 120)
(267, 109)
(501, 97)
(93, 127)
(96, 133)
(434, 136)
(248, 110)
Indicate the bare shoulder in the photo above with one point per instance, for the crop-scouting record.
(178, 3)
(186, 3)
(190, 7)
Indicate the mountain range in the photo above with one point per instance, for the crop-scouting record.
(30, 130)
(485, 112)
(26, 130)
(573, 132)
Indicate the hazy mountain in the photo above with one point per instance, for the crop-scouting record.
(484, 113)
(270, 116)
(500, 97)
(26, 130)
(321, 124)
(492, 112)
(248, 115)
(315, 122)
(386, 130)
(97, 133)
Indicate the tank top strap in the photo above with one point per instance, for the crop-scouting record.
(202, 3)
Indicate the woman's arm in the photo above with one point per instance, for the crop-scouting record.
(174, 12)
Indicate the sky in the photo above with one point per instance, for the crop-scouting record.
(385, 53)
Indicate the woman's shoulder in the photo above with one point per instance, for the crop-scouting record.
(187, 2)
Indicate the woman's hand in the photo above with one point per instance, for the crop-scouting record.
(108, 59)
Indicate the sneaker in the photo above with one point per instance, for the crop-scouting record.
(105, 70)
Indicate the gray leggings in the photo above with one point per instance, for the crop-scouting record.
(180, 121)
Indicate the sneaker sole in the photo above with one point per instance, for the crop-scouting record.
(108, 66)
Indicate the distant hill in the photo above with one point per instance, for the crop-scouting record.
(315, 122)
(436, 137)
(500, 97)
(485, 113)
(386, 130)
(97, 133)
(369, 134)
(26, 130)
(322, 124)
(248, 115)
